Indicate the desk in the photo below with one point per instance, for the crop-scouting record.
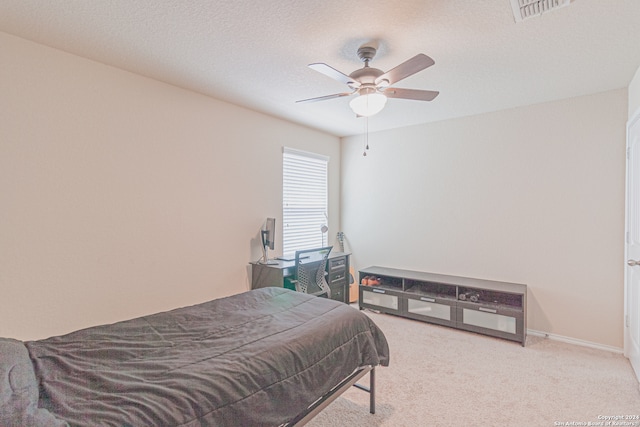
(265, 275)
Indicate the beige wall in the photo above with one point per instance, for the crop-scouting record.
(532, 195)
(121, 195)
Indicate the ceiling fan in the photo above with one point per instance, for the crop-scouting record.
(373, 86)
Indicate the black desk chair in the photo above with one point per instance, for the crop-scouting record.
(310, 272)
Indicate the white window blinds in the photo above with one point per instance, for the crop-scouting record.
(304, 196)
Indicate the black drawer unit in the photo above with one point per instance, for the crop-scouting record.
(337, 278)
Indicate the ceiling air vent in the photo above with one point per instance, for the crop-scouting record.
(525, 9)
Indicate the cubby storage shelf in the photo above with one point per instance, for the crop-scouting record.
(488, 307)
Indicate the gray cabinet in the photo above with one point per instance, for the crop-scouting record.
(484, 306)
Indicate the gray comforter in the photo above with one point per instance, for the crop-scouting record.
(257, 358)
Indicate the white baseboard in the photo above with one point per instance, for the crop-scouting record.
(575, 341)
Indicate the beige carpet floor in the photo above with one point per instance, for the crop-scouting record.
(440, 376)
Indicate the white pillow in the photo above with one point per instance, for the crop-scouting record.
(19, 389)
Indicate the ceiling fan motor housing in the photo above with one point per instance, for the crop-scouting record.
(366, 75)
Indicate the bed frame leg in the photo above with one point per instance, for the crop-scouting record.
(372, 391)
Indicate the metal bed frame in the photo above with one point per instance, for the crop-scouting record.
(344, 385)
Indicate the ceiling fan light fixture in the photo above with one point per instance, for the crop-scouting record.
(368, 104)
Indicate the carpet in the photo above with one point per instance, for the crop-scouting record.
(440, 376)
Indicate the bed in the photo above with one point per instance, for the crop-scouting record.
(267, 357)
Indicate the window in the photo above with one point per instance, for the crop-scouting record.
(304, 200)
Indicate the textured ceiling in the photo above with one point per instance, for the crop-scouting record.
(255, 53)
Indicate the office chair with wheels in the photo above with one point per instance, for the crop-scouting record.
(310, 272)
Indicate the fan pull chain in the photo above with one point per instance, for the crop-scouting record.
(366, 136)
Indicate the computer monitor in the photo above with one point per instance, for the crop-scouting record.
(268, 234)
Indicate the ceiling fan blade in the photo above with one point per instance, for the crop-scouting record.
(415, 94)
(334, 74)
(406, 69)
(323, 98)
